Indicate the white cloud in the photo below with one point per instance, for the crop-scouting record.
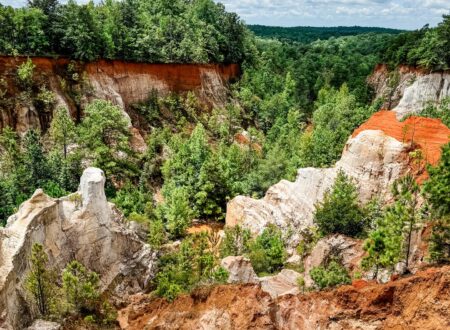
(408, 14)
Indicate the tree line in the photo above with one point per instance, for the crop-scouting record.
(199, 31)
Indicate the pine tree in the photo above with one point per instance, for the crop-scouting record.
(40, 281)
(62, 129)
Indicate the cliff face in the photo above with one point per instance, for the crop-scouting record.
(408, 90)
(123, 83)
(421, 302)
(83, 226)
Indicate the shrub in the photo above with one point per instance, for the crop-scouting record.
(236, 242)
(81, 287)
(339, 213)
(267, 252)
(332, 275)
(25, 73)
(193, 264)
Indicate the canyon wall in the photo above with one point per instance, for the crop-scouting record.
(123, 83)
(408, 90)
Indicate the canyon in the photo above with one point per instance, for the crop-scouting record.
(86, 227)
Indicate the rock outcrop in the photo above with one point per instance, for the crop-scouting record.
(409, 90)
(373, 159)
(122, 83)
(240, 270)
(283, 283)
(348, 250)
(82, 226)
(417, 302)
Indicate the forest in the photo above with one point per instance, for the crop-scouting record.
(134, 30)
(307, 34)
(302, 93)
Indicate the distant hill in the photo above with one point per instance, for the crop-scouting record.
(307, 34)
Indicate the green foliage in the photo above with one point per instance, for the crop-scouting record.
(81, 287)
(40, 282)
(25, 73)
(427, 47)
(157, 31)
(131, 199)
(104, 135)
(62, 130)
(437, 192)
(156, 233)
(339, 212)
(333, 274)
(336, 117)
(176, 212)
(310, 236)
(390, 241)
(193, 264)
(308, 34)
(267, 252)
(441, 111)
(236, 242)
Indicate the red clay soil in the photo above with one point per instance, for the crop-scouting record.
(421, 301)
(178, 77)
(426, 133)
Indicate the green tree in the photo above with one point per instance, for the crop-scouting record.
(40, 281)
(176, 211)
(104, 134)
(81, 287)
(375, 247)
(339, 212)
(437, 192)
(34, 160)
(236, 242)
(62, 129)
(331, 275)
(267, 252)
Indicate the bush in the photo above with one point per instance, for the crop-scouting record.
(332, 275)
(236, 242)
(25, 73)
(192, 265)
(339, 213)
(267, 252)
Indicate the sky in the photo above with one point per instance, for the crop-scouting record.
(403, 14)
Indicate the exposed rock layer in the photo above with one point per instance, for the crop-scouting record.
(420, 302)
(408, 89)
(82, 226)
(373, 159)
(123, 83)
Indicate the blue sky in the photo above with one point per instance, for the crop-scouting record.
(405, 14)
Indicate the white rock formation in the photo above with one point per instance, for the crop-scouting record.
(409, 90)
(44, 325)
(240, 270)
(425, 89)
(83, 226)
(283, 283)
(373, 159)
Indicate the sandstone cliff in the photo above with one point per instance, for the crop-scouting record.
(418, 302)
(83, 226)
(123, 83)
(408, 90)
(375, 156)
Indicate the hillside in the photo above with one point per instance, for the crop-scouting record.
(307, 34)
(162, 167)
